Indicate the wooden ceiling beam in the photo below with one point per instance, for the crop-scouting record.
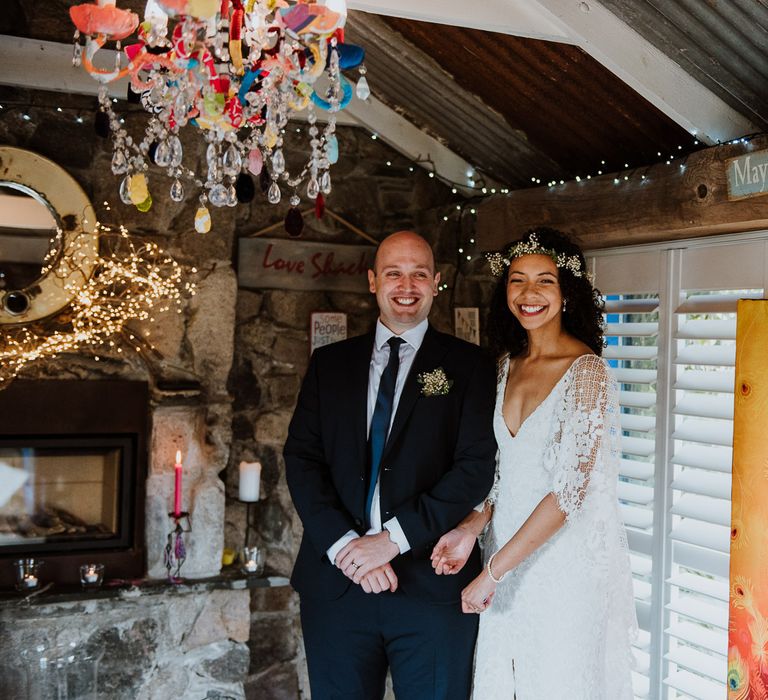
(648, 71)
(519, 17)
(603, 36)
(680, 200)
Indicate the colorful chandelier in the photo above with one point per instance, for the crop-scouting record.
(237, 70)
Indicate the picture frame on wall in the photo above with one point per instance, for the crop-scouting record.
(466, 322)
(326, 327)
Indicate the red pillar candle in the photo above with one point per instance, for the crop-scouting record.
(177, 485)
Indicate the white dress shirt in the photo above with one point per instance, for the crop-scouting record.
(413, 338)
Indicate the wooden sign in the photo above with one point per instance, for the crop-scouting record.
(326, 328)
(747, 175)
(275, 263)
(466, 320)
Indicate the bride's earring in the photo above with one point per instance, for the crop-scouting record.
(565, 302)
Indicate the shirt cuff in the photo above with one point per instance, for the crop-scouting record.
(480, 507)
(397, 535)
(339, 544)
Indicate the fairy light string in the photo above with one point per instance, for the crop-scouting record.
(133, 280)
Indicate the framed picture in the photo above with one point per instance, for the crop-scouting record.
(326, 327)
(466, 320)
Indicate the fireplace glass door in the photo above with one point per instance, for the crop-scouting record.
(64, 493)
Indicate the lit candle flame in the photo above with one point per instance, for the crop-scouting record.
(178, 456)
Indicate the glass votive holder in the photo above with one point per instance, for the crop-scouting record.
(91, 575)
(27, 574)
(252, 561)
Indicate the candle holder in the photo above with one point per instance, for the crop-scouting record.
(27, 574)
(252, 561)
(175, 547)
(250, 523)
(91, 576)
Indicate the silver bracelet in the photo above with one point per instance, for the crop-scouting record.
(490, 573)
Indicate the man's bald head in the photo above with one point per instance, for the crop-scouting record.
(407, 238)
(404, 281)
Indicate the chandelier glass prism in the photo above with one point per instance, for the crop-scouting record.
(237, 71)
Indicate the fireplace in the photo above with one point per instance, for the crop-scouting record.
(72, 473)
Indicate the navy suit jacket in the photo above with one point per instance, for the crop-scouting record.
(437, 465)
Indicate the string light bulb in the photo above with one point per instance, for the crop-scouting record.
(129, 284)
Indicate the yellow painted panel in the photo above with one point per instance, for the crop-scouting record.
(748, 629)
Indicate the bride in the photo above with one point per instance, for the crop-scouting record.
(556, 592)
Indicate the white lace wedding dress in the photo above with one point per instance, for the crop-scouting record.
(560, 624)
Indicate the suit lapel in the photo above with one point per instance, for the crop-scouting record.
(428, 357)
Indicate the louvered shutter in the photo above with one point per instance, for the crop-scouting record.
(702, 438)
(631, 335)
(674, 488)
(630, 284)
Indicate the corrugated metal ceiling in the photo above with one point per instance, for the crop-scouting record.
(562, 105)
(722, 43)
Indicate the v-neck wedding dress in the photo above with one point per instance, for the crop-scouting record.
(560, 624)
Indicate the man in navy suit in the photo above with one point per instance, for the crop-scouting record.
(390, 446)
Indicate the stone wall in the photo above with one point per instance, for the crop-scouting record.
(186, 643)
(225, 373)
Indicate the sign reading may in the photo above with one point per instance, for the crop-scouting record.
(748, 175)
(273, 263)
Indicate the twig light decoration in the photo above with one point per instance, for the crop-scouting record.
(132, 280)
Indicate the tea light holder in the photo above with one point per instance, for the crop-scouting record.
(250, 523)
(175, 547)
(91, 575)
(27, 574)
(252, 561)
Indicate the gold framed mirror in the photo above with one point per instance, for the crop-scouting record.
(40, 272)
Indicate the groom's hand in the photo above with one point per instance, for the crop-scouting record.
(382, 579)
(364, 554)
(452, 551)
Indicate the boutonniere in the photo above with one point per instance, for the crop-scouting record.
(434, 383)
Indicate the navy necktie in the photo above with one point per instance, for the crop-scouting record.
(382, 415)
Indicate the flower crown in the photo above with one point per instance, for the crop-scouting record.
(500, 262)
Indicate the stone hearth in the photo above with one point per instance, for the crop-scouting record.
(135, 644)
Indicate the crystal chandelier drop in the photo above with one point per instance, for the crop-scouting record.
(237, 70)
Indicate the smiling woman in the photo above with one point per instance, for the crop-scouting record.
(35, 231)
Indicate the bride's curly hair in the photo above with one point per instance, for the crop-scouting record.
(583, 318)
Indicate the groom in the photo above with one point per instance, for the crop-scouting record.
(390, 446)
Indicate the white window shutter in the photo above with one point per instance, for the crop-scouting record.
(701, 401)
(672, 351)
(631, 333)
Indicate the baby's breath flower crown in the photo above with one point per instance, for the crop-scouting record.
(500, 262)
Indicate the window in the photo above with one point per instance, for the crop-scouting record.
(671, 328)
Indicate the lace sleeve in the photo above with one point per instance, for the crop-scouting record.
(574, 450)
(493, 494)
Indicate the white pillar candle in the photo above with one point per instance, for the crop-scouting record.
(250, 478)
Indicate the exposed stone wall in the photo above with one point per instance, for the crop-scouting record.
(140, 646)
(225, 373)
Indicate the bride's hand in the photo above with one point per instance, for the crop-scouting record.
(452, 551)
(478, 595)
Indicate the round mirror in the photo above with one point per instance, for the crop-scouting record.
(48, 238)
(28, 240)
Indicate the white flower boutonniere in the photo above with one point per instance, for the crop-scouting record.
(434, 383)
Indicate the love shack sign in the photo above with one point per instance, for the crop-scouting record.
(274, 263)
